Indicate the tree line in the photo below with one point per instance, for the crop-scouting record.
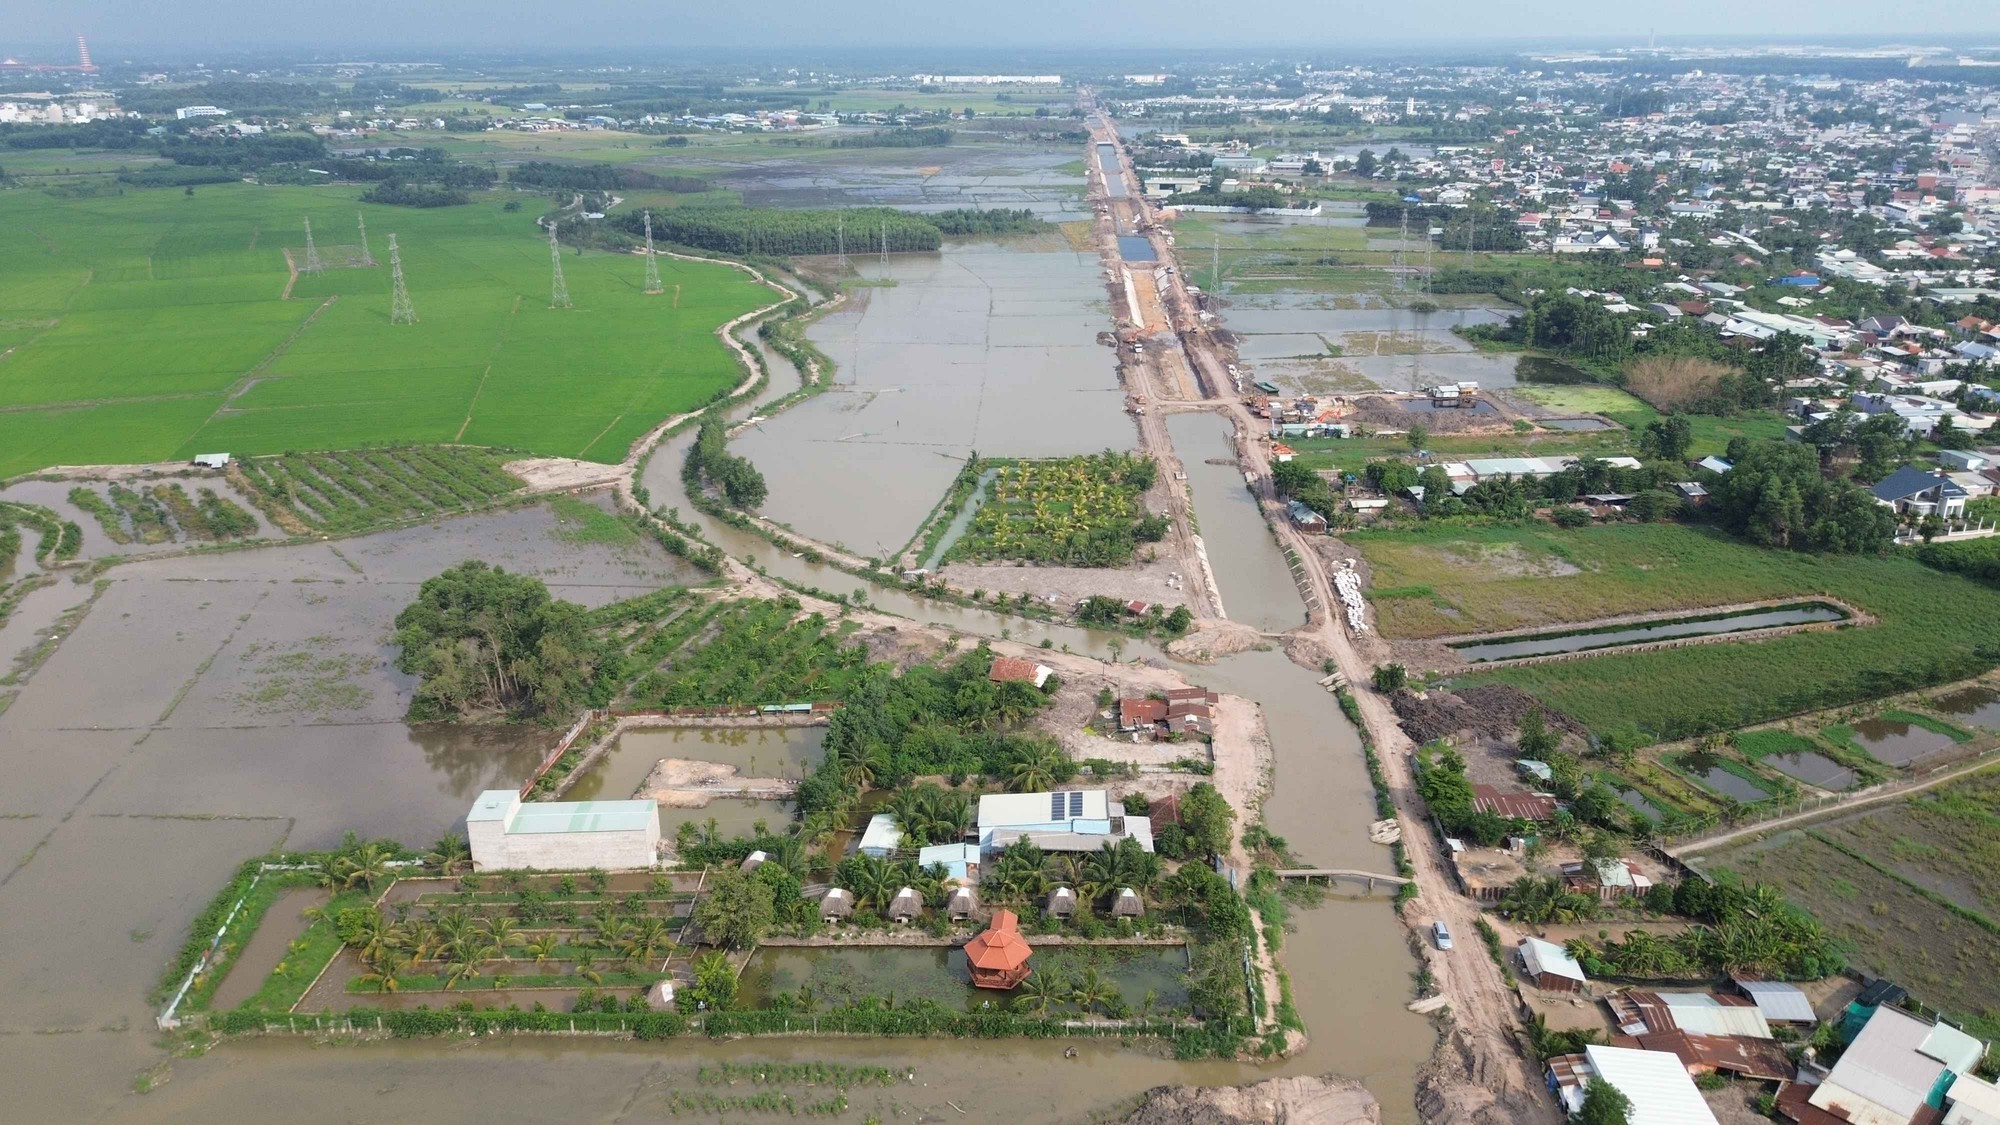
(709, 461)
(601, 177)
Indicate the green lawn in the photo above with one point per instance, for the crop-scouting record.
(149, 326)
(1931, 628)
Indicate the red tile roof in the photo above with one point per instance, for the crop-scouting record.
(1012, 669)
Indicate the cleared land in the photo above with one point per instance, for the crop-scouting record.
(150, 326)
(1930, 628)
(1914, 887)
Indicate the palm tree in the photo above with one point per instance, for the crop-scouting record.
(862, 765)
(876, 883)
(646, 940)
(1034, 767)
(386, 972)
(609, 926)
(585, 966)
(422, 940)
(450, 854)
(367, 866)
(470, 962)
(1040, 991)
(1092, 990)
(544, 947)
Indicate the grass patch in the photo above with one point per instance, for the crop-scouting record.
(749, 652)
(581, 522)
(1927, 722)
(309, 953)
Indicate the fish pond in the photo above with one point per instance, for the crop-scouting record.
(1978, 705)
(1897, 738)
(837, 976)
(1619, 636)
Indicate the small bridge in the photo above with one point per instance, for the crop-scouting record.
(1367, 879)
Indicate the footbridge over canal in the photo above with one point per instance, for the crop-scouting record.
(1331, 875)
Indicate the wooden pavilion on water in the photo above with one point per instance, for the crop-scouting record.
(998, 957)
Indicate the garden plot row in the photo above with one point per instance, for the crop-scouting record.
(356, 489)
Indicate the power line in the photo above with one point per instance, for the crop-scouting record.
(367, 258)
(401, 311)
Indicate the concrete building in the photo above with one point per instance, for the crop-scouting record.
(506, 833)
(1077, 820)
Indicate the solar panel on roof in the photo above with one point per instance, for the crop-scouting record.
(1055, 806)
(1076, 803)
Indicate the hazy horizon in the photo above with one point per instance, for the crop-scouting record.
(42, 27)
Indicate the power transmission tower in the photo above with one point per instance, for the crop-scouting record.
(313, 264)
(1215, 263)
(1471, 234)
(367, 257)
(652, 261)
(1398, 263)
(840, 239)
(884, 244)
(1427, 256)
(401, 311)
(558, 288)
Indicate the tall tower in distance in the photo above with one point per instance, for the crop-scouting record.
(558, 288)
(367, 256)
(83, 62)
(401, 311)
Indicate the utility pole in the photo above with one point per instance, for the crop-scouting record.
(1215, 264)
(367, 258)
(1397, 262)
(652, 260)
(884, 255)
(400, 309)
(840, 239)
(313, 264)
(558, 289)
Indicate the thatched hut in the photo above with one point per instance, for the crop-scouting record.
(906, 906)
(836, 905)
(1127, 904)
(1061, 904)
(962, 904)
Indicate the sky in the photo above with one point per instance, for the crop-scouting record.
(384, 25)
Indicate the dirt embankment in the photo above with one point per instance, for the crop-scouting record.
(1323, 1100)
(1459, 1086)
(1490, 711)
(680, 783)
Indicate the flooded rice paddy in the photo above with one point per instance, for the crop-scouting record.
(980, 347)
(835, 976)
(962, 175)
(1707, 626)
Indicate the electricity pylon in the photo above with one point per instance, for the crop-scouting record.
(401, 311)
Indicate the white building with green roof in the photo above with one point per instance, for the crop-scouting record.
(507, 833)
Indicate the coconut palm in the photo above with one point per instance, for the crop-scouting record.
(450, 855)
(1092, 990)
(1041, 991)
(386, 972)
(585, 966)
(609, 927)
(1034, 767)
(366, 866)
(646, 940)
(876, 882)
(543, 947)
(470, 962)
(862, 765)
(505, 932)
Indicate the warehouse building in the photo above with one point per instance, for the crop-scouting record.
(506, 833)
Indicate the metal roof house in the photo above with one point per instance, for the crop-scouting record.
(1780, 1002)
(1656, 1083)
(506, 833)
(1898, 1067)
(1918, 492)
(881, 838)
(1075, 820)
(1550, 966)
(960, 861)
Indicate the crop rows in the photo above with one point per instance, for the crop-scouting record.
(149, 519)
(753, 653)
(357, 489)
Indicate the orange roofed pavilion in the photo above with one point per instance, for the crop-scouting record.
(998, 958)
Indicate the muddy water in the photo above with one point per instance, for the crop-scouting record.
(962, 175)
(1898, 743)
(1978, 705)
(1812, 768)
(282, 924)
(979, 347)
(778, 752)
(1256, 582)
(842, 976)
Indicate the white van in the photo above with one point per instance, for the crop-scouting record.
(1441, 934)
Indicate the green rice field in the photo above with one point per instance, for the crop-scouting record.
(152, 325)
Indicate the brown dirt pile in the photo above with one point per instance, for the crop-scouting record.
(1324, 1100)
(1489, 710)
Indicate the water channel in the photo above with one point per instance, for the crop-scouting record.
(1710, 626)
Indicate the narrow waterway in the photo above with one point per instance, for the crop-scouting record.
(1256, 582)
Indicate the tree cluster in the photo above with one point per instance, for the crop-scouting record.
(481, 640)
(709, 459)
(1775, 495)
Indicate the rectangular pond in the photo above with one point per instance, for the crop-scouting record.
(1978, 705)
(1896, 742)
(1136, 248)
(1723, 781)
(1811, 767)
(1618, 636)
(837, 976)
